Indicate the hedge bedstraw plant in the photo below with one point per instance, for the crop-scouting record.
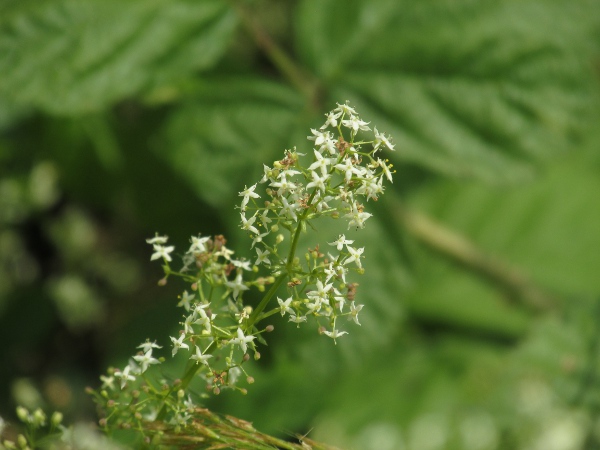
(219, 330)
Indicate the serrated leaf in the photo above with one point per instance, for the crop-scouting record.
(546, 228)
(220, 139)
(465, 88)
(70, 57)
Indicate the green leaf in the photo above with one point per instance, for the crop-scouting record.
(221, 137)
(69, 56)
(547, 228)
(466, 88)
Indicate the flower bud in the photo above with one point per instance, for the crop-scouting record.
(180, 393)
(22, 440)
(256, 356)
(275, 228)
(22, 414)
(56, 419)
(39, 418)
(269, 328)
(162, 281)
(279, 239)
(250, 380)
(102, 422)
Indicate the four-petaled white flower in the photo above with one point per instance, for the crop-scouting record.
(185, 300)
(320, 163)
(178, 343)
(242, 340)
(146, 346)
(340, 242)
(157, 239)
(284, 306)
(354, 310)
(380, 140)
(335, 334)
(200, 358)
(297, 319)
(161, 251)
(237, 285)
(288, 209)
(355, 255)
(198, 244)
(247, 193)
(262, 257)
(332, 118)
(124, 375)
(355, 124)
(248, 224)
(145, 360)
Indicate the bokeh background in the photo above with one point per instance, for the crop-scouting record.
(480, 329)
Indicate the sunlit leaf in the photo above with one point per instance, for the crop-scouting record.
(69, 56)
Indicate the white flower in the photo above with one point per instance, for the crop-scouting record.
(380, 140)
(335, 334)
(297, 319)
(355, 255)
(244, 265)
(289, 209)
(318, 136)
(185, 300)
(237, 285)
(320, 163)
(346, 109)
(321, 292)
(332, 117)
(348, 169)
(198, 244)
(386, 169)
(340, 242)
(178, 343)
(262, 257)
(204, 320)
(146, 346)
(318, 182)
(162, 252)
(355, 124)
(258, 238)
(358, 217)
(125, 376)
(200, 358)
(242, 340)
(354, 310)
(107, 382)
(284, 306)
(145, 360)
(157, 239)
(248, 225)
(247, 193)
(283, 186)
(267, 174)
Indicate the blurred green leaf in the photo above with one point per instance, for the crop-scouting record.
(220, 138)
(72, 57)
(548, 228)
(467, 88)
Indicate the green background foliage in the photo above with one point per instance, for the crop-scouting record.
(480, 328)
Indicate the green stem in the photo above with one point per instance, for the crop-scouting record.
(263, 303)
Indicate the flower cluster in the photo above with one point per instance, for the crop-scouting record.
(219, 328)
(340, 174)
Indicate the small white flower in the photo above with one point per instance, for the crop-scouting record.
(318, 181)
(178, 343)
(262, 257)
(125, 376)
(297, 319)
(242, 340)
(283, 186)
(248, 225)
(145, 360)
(162, 252)
(198, 244)
(346, 109)
(354, 310)
(320, 163)
(340, 242)
(237, 285)
(335, 334)
(107, 382)
(380, 140)
(146, 346)
(318, 136)
(200, 358)
(259, 238)
(355, 124)
(185, 300)
(244, 265)
(355, 255)
(289, 209)
(358, 217)
(332, 117)
(284, 306)
(247, 193)
(386, 169)
(157, 239)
